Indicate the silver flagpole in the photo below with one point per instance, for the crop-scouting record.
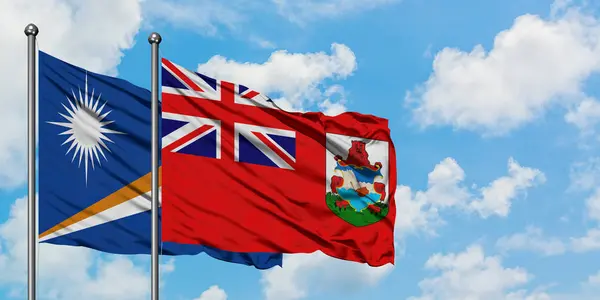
(154, 39)
(31, 32)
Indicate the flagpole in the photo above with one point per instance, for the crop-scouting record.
(154, 39)
(31, 32)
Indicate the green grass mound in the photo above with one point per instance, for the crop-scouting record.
(356, 218)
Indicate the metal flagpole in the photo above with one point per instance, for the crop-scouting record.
(154, 39)
(31, 32)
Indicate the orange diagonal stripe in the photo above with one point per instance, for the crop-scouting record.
(138, 187)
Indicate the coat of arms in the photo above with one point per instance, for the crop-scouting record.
(357, 191)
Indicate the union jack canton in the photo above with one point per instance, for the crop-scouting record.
(235, 135)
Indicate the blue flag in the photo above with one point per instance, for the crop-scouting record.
(94, 166)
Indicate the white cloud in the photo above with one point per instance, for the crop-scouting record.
(91, 34)
(534, 65)
(84, 274)
(471, 275)
(417, 213)
(444, 187)
(302, 11)
(594, 280)
(333, 106)
(298, 77)
(213, 293)
(586, 116)
(532, 239)
(168, 266)
(304, 273)
(593, 205)
(446, 190)
(589, 242)
(496, 198)
(421, 211)
(263, 43)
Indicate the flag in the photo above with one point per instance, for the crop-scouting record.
(243, 175)
(94, 166)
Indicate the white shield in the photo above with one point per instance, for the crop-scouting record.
(377, 152)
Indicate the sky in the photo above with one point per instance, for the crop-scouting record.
(494, 109)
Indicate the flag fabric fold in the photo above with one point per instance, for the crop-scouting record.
(241, 174)
(94, 166)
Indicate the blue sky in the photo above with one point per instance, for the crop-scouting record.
(493, 110)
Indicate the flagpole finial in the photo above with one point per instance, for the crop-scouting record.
(154, 38)
(31, 29)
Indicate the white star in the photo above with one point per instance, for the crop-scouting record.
(86, 128)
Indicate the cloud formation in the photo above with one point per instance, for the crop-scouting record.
(213, 293)
(537, 64)
(446, 190)
(473, 275)
(306, 273)
(532, 239)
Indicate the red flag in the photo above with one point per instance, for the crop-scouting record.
(242, 175)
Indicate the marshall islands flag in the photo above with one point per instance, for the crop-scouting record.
(94, 166)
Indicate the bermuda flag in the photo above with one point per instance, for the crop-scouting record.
(241, 174)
